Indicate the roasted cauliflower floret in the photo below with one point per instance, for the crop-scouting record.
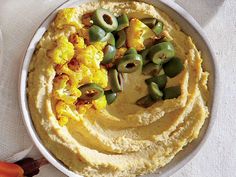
(87, 75)
(99, 45)
(83, 106)
(62, 120)
(65, 112)
(77, 41)
(62, 90)
(63, 52)
(75, 77)
(84, 33)
(100, 77)
(137, 33)
(120, 52)
(80, 74)
(83, 68)
(67, 17)
(90, 57)
(100, 103)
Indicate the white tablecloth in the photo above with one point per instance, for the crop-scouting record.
(20, 18)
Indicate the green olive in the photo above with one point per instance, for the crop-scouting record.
(91, 91)
(96, 33)
(162, 52)
(123, 22)
(110, 96)
(173, 67)
(145, 101)
(105, 19)
(121, 39)
(151, 69)
(154, 91)
(158, 28)
(109, 54)
(130, 63)
(172, 92)
(131, 51)
(110, 39)
(115, 80)
(144, 54)
(159, 80)
(150, 22)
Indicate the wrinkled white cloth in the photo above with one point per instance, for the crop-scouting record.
(20, 18)
(18, 21)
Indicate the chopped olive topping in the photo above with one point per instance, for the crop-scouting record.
(110, 39)
(96, 33)
(110, 96)
(91, 91)
(115, 80)
(145, 101)
(123, 22)
(109, 54)
(130, 63)
(121, 39)
(150, 22)
(173, 67)
(172, 92)
(157, 60)
(160, 80)
(162, 52)
(151, 69)
(105, 19)
(158, 28)
(144, 54)
(154, 91)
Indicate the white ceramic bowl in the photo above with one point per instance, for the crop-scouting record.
(189, 26)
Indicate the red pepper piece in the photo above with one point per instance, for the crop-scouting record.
(10, 170)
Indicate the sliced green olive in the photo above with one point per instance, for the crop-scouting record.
(123, 22)
(172, 92)
(91, 91)
(150, 22)
(151, 69)
(145, 101)
(131, 51)
(115, 80)
(109, 54)
(154, 91)
(162, 52)
(144, 54)
(110, 96)
(159, 80)
(96, 33)
(130, 63)
(173, 67)
(158, 28)
(105, 19)
(121, 39)
(110, 39)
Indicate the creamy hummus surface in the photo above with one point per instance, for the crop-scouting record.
(121, 139)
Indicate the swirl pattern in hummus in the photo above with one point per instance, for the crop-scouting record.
(122, 139)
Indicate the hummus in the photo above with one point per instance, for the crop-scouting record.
(121, 139)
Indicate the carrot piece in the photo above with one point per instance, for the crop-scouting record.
(10, 170)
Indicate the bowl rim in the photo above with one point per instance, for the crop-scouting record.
(23, 103)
